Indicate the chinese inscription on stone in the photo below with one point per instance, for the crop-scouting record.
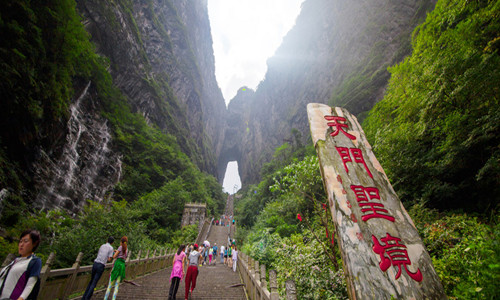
(376, 236)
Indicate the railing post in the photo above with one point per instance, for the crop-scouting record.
(273, 285)
(152, 267)
(250, 265)
(129, 254)
(144, 265)
(257, 280)
(72, 277)
(263, 282)
(291, 291)
(44, 274)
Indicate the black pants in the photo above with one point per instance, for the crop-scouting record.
(174, 285)
(97, 270)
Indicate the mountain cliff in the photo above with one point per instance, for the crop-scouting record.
(73, 136)
(337, 53)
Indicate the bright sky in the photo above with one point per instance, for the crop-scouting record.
(245, 34)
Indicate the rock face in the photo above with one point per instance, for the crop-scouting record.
(161, 58)
(336, 54)
(86, 168)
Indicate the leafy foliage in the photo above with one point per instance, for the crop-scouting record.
(277, 238)
(465, 252)
(435, 131)
(45, 54)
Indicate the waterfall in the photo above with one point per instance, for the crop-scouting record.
(87, 168)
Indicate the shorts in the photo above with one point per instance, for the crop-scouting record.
(225, 256)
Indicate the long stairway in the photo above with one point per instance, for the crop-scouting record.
(214, 282)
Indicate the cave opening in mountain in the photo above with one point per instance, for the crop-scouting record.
(232, 181)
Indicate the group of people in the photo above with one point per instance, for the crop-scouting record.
(105, 254)
(19, 279)
(225, 220)
(192, 257)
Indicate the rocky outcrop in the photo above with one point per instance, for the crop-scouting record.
(161, 58)
(86, 168)
(337, 54)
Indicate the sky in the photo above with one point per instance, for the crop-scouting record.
(245, 34)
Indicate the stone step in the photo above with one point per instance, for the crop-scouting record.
(213, 282)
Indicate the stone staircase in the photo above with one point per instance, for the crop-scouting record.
(214, 282)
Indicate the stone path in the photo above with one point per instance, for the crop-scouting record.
(214, 282)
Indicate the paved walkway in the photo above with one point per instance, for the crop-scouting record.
(214, 282)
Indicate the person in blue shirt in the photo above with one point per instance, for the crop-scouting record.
(20, 279)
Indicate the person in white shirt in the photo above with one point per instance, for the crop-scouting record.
(222, 248)
(104, 255)
(19, 280)
(235, 258)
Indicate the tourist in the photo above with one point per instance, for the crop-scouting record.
(177, 272)
(202, 252)
(235, 258)
(205, 254)
(225, 256)
(188, 250)
(192, 272)
(222, 249)
(215, 253)
(104, 255)
(118, 272)
(210, 255)
(19, 279)
(229, 256)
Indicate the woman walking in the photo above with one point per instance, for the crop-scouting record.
(19, 279)
(210, 255)
(118, 272)
(192, 272)
(177, 272)
(235, 258)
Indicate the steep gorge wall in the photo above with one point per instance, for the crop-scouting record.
(337, 54)
(161, 58)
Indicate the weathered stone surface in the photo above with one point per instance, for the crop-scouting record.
(364, 218)
(194, 213)
(86, 167)
(161, 57)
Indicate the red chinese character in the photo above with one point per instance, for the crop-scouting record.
(398, 255)
(353, 218)
(346, 157)
(371, 209)
(338, 126)
(358, 157)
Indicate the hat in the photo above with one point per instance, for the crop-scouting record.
(196, 245)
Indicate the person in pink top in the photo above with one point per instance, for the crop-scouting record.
(177, 272)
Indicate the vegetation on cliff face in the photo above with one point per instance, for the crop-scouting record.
(436, 130)
(436, 135)
(45, 55)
